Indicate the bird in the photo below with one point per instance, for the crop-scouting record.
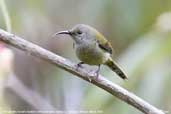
(92, 48)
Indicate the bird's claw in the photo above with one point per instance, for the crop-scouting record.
(97, 72)
(79, 65)
(95, 75)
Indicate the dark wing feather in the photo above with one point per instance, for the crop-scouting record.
(102, 42)
(107, 47)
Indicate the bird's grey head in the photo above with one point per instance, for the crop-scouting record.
(80, 33)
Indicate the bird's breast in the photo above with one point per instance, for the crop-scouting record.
(91, 54)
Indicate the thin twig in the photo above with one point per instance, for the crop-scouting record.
(65, 64)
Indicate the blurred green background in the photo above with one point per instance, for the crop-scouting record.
(139, 31)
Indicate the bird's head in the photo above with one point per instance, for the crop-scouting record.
(81, 33)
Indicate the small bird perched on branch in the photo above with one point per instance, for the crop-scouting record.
(92, 48)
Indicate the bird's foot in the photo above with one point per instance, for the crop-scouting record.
(97, 72)
(94, 75)
(97, 76)
(79, 65)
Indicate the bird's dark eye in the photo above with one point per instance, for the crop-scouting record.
(79, 32)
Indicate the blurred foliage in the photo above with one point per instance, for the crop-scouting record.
(139, 30)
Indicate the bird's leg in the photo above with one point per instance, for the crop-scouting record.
(79, 65)
(97, 72)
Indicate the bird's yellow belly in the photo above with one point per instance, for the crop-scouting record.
(90, 55)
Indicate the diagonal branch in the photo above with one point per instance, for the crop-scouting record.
(67, 65)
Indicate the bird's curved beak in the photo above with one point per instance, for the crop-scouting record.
(63, 32)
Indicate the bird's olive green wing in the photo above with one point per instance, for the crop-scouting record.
(106, 47)
(103, 43)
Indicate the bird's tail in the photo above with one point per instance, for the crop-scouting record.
(114, 67)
